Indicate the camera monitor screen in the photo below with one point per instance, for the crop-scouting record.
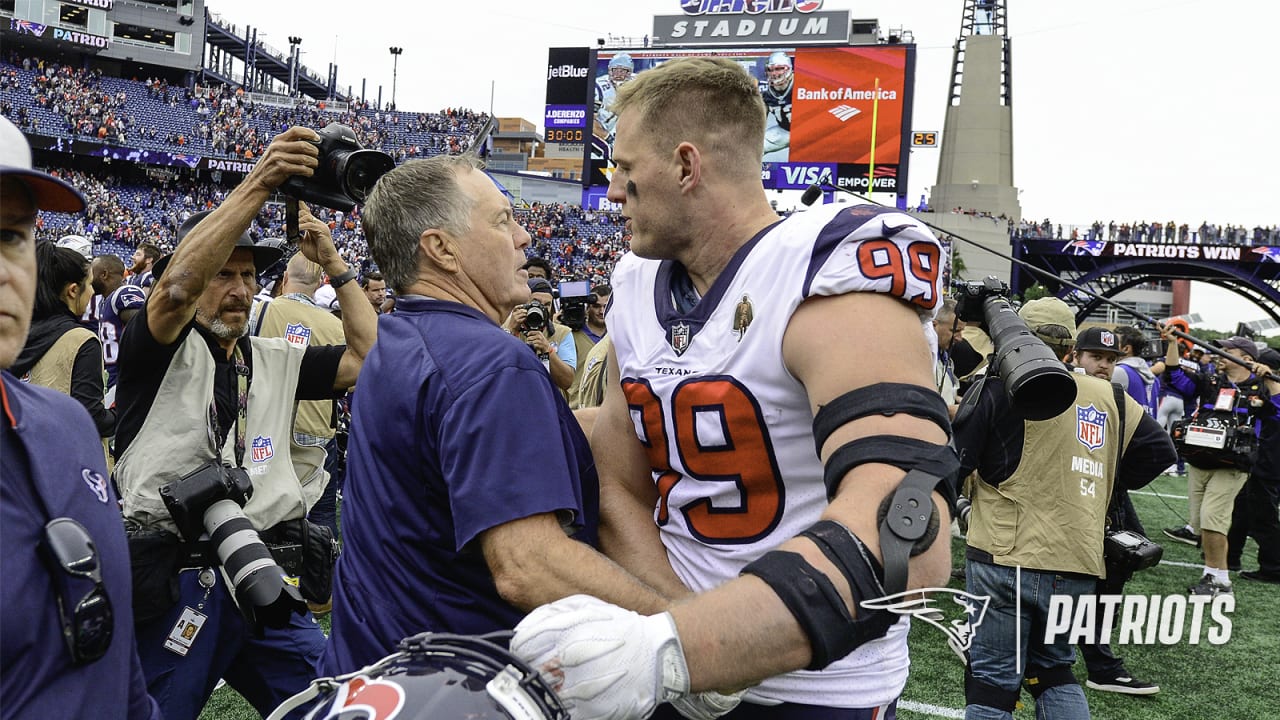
(575, 289)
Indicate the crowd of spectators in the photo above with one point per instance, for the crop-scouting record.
(1152, 232)
(44, 97)
(580, 244)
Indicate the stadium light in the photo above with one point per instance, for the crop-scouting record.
(294, 42)
(395, 60)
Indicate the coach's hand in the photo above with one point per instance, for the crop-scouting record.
(607, 662)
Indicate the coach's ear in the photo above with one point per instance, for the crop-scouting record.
(439, 251)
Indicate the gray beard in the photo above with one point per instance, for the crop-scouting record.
(222, 330)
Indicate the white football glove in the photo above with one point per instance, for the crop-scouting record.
(607, 662)
(707, 705)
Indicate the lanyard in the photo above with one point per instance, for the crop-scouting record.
(242, 406)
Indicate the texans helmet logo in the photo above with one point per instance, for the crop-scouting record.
(364, 699)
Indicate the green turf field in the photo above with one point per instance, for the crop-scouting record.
(1233, 681)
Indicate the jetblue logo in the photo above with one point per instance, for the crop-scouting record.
(566, 71)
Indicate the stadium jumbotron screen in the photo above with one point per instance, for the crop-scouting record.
(826, 106)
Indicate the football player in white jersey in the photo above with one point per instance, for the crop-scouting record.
(771, 391)
(621, 69)
(776, 91)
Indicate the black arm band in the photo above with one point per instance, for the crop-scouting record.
(880, 399)
(903, 453)
(812, 599)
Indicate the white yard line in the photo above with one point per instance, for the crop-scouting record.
(1156, 494)
(933, 710)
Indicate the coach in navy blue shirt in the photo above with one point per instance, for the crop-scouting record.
(60, 530)
(471, 495)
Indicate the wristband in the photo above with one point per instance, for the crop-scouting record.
(338, 281)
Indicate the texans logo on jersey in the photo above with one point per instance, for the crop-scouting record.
(262, 450)
(1091, 426)
(96, 483)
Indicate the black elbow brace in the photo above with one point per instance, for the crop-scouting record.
(908, 520)
(813, 599)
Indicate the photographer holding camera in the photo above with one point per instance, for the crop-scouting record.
(533, 322)
(206, 420)
(1220, 444)
(1039, 482)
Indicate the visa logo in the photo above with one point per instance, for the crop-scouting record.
(806, 174)
(566, 71)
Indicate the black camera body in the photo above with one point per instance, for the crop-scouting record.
(1128, 551)
(346, 173)
(209, 499)
(575, 296)
(193, 494)
(537, 317)
(1036, 381)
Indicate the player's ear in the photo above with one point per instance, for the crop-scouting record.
(689, 160)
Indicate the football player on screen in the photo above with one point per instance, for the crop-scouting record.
(776, 90)
(621, 70)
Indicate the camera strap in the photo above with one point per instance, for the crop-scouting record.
(1115, 480)
(242, 405)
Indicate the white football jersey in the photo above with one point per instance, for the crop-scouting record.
(727, 428)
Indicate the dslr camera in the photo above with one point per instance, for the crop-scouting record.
(1035, 380)
(346, 173)
(537, 316)
(209, 500)
(575, 296)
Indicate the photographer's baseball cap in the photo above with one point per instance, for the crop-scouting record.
(1270, 357)
(264, 256)
(1049, 311)
(1098, 339)
(1239, 342)
(538, 285)
(47, 191)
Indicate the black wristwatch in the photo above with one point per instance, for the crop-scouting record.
(338, 281)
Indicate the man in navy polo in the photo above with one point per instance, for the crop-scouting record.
(471, 495)
(54, 473)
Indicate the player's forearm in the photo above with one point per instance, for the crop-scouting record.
(629, 538)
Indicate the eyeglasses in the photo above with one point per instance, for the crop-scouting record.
(87, 622)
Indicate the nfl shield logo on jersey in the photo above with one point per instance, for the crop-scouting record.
(680, 338)
(297, 334)
(1091, 424)
(262, 450)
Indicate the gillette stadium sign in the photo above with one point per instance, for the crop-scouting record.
(737, 22)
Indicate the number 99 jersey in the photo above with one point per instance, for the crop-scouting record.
(727, 429)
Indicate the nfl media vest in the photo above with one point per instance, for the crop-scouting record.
(176, 438)
(304, 325)
(1050, 513)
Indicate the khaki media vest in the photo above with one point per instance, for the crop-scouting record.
(176, 438)
(1050, 513)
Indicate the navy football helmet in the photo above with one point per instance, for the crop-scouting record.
(434, 676)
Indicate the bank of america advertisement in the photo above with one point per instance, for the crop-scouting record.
(838, 114)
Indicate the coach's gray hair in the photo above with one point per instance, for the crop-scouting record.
(419, 195)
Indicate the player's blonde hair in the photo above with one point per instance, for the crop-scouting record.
(712, 102)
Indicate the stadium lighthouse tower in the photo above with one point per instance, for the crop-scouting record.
(974, 194)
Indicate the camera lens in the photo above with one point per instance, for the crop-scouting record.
(359, 171)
